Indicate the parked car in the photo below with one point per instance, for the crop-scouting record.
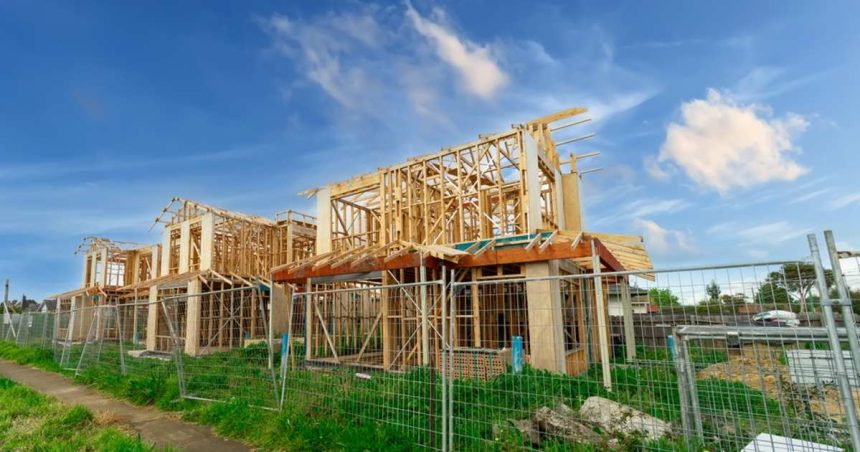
(776, 318)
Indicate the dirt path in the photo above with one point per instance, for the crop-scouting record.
(154, 426)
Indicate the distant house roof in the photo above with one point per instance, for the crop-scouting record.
(615, 290)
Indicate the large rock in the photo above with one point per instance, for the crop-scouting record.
(563, 422)
(528, 429)
(619, 419)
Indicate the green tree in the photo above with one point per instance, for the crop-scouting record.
(733, 299)
(772, 294)
(713, 291)
(797, 280)
(663, 297)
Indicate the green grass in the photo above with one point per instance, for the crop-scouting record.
(336, 410)
(37, 357)
(31, 421)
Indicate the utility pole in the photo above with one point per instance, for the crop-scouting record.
(7, 317)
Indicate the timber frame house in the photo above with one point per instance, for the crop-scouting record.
(497, 209)
(209, 274)
(108, 267)
(213, 277)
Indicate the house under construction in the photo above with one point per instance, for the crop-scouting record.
(209, 276)
(108, 267)
(213, 278)
(499, 208)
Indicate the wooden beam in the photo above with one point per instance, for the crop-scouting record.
(412, 260)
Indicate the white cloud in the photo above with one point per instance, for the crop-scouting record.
(771, 233)
(375, 60)
(414, 76)
(655, 170)
(808, 196)
(663, 241)
(600, 109)
(645, 207)
(642, 208)
(844, 201)
(722, 144)
(473, 62)
(722, 228)
(324, 46)
(767, 81)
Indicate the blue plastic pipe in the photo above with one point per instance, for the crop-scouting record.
(517, 354)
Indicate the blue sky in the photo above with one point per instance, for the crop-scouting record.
(726, 130)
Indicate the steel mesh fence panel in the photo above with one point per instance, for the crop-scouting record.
(5, 327)
(224, 346)
(23, 329)
(63, 326)
(37, 329)
(776, 385)
(540, 356)
(588, 360)
(369, 356)
(118, 349)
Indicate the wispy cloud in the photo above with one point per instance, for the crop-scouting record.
(809, 196)
(48, 170)
(643, 208)
(844, 201)
(372, 58)
(474, 63)
(771, 233)
(77, 221)
(763, 82)
(722, 144)
(663, 241)
(327, 49)
(417, 73)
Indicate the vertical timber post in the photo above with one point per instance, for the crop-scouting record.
(6, 314)
(546, 329)
(629, 330)
(602, 330)
(192, 318)
(152, 320)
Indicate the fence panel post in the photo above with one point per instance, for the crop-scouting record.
(845, 301)
(835, 346)
(177, 348)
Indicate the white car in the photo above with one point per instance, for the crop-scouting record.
(776, 318)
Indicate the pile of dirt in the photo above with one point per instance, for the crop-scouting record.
(761, 367)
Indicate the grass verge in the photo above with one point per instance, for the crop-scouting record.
(336, 410)
(31, 421)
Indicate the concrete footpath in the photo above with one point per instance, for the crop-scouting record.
(154, 426)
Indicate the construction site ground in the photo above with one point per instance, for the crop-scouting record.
(762, 367)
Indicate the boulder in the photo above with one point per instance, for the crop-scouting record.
(528, 429)
(563, 421)
(619, 419)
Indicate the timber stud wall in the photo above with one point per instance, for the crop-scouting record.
(458, 205)
(471, 192)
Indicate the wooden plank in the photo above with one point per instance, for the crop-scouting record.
(371, 265)
(547, 242)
